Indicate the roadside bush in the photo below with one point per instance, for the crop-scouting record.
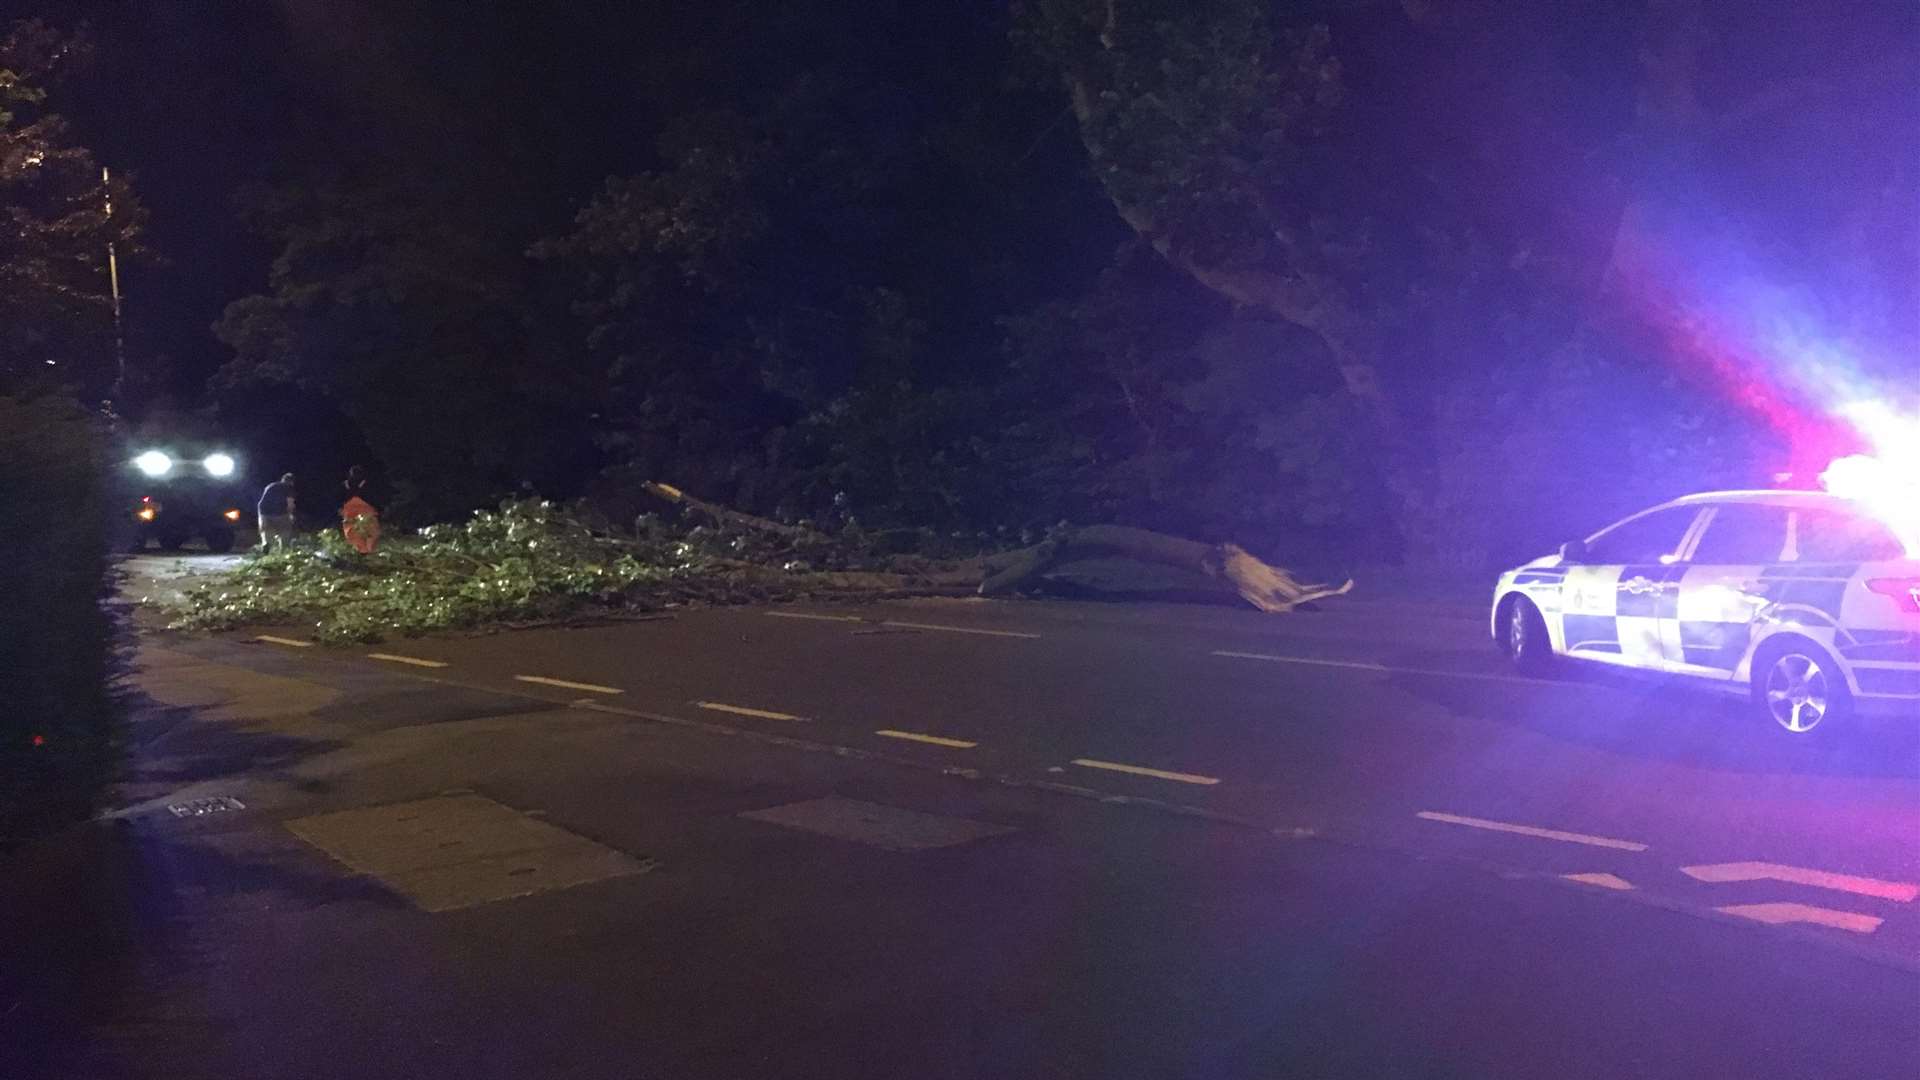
(59, 723)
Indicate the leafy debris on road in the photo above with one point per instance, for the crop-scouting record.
(532, 562)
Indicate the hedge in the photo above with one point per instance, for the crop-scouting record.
(60, 722)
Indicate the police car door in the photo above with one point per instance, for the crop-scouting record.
(1615, 598)
(1725, 584)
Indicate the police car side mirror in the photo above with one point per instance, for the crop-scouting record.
(1573, 551)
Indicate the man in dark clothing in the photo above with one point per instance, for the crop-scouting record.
(275, 513)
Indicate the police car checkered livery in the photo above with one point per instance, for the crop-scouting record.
(1803, 599)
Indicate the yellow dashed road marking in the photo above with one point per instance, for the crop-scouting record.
(1604, 881)
(959, 629)
(1898, 891)
(566, 685)
(1529, 830)
(742, 710)
(1777, 914)
(294, 642)
(936, 740)
(1139, 770)
(393, 658)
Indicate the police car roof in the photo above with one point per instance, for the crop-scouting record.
(1776, 497)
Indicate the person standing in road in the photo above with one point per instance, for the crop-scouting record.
(359, 513)
(275, 513)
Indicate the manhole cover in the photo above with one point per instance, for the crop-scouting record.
(218, 804)
(886, 827)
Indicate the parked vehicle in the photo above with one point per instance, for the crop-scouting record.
(1805, 601)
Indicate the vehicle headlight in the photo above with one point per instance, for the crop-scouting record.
(153, 463)
(217, 465)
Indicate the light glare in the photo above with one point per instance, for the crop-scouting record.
(1886, 491)
(153, 463)
(218, 465)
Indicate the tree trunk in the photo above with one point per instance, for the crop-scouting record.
(1297, 298)
(1269, 588)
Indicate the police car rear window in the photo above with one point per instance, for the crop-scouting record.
(1834, 536)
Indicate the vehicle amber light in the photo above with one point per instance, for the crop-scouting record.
(1904, 592)
(146, 513)
(233, 515)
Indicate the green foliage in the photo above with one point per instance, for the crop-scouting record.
(527, 562)
(59, 725)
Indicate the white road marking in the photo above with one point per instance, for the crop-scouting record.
(566, 685)
(1777, 914)
(958, 629)
(742, 710)
(1140, 770)
(814, 617)
(1604, 881)
(392, 658)
(1529, 830)
(1359, 665)
(294, 642)
(1899, 891)
(936, 740)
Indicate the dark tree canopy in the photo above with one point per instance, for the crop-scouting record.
(58, 216)
(1303, 274)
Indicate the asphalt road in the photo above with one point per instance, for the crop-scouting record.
(984, 839)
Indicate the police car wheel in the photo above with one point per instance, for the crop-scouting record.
(220, 541)
(1799, 686)
(1524, 634)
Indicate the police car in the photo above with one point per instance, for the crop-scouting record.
(1805, 601)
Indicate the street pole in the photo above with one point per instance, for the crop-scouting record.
(113, 276)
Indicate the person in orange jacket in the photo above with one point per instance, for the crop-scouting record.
(359, 515)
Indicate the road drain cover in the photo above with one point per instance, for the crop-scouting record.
(218, 804)
(886, 827)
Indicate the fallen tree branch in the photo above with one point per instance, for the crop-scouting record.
(721, 515)
(1269, 588)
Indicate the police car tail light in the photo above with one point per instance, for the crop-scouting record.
(1904, 592)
